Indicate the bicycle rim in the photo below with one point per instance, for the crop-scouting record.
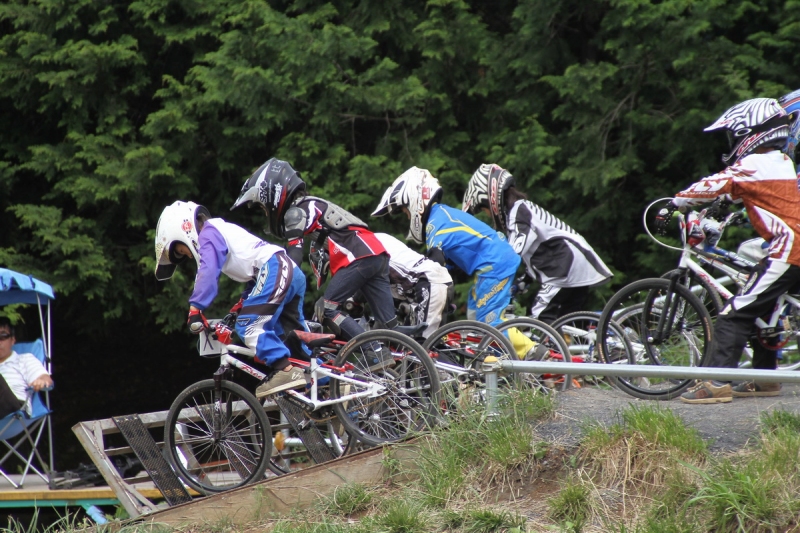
(217, 440)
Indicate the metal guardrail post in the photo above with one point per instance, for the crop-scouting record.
(489, 368)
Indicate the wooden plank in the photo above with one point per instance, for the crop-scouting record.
(283, 494)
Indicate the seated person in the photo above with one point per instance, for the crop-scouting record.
(18, 372)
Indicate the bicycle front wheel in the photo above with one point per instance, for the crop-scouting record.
(405, 399)
(217, 438)
(666, 325)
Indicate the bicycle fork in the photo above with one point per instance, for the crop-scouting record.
(219, 412)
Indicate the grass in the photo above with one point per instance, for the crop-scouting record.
(647, 473)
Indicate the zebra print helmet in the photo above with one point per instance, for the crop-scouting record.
(752, 124)
(486, 188)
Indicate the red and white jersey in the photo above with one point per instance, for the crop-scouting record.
(767, 186)
(346, 243)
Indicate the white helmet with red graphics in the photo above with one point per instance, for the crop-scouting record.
(755, 123)
(416, 190)
(177, 224)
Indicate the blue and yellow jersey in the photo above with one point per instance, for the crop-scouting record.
(469, 244)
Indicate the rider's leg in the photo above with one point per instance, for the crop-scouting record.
(558, 301)
(377, 291)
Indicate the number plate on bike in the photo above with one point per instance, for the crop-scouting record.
(207, 345)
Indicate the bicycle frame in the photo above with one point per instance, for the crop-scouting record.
(211, 346)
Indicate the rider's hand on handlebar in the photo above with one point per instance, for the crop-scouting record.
(663, 217)
(197, 321)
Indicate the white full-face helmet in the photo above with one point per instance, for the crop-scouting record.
(177, 224)
(755, 123)
(416, 190)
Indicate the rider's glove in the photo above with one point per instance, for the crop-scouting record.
(663, 217)
(197, 321)
(237, 306)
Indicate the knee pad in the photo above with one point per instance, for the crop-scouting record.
(323, 308)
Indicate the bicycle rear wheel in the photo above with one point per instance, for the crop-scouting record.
(546, 344)
(410, 397)
(666, 325)
(217, 439)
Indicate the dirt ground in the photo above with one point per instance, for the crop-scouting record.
(727, 427)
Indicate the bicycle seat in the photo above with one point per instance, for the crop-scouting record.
(312, 340)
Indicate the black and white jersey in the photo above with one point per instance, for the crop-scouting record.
(553, 252)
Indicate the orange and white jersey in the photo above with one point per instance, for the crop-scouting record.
(767, 186)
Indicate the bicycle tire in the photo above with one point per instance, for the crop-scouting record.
(410, 402)
(701, 288)
(208, 460)
(579, 330)
(639, 309)
(557, 350)
(459, 349)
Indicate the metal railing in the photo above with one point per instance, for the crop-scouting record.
(492, 366)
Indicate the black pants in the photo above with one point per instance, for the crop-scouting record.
(8, 402)
(370, 275)
(735, 323)
(566, 300)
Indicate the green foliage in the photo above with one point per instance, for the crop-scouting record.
(116, 109)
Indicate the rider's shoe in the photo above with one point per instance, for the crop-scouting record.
(749, 389)
(280, 381)
(538, 352)
(376, 360)
(707, 392)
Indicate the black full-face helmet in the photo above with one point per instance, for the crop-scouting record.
(273, 186)
(487, 188)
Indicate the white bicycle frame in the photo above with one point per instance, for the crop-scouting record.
(209, 346)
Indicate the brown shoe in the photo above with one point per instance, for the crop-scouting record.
(749, 389)
(707, 392)
(281, 381)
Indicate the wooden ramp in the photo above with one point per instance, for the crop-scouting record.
(280, 495)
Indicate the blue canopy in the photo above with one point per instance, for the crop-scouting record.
(16, 288)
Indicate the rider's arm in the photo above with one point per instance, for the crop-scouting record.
(295, 222)
(708, 189)
(213, 252)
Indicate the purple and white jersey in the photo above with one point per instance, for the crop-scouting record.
(229, 249)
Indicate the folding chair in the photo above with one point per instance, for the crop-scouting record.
(21, 431)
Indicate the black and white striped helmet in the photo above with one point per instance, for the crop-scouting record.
(752, 124)
(486, 188)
